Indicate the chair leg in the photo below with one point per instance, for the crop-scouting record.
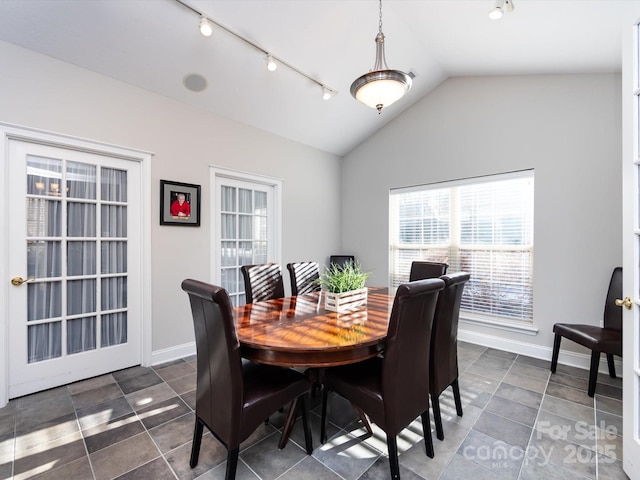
(612, 366)
(437, 418)
(195, 446)
(556, 351)
(304, 408)
(288, 424)
(426, 431)
(456, 396)
(393, 457)
(363, 418)
(232, 464)
(325, 414)
(593, 372)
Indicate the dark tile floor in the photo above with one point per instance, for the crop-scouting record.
(519, 422)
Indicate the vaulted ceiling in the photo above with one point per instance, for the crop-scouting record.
(154, 44)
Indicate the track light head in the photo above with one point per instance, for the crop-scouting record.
(500, 8)
(206, 28)
(326, 93)
(272, 66)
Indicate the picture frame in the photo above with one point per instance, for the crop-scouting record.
(179, 204)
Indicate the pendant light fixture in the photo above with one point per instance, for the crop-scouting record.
(381, 86)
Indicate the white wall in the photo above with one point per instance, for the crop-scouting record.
(40, 92)
(567, 128)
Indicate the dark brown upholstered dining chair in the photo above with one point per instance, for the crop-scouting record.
(443, 365)
(607, 339)
(341, 260)
(233, 398)
(304, 277)
(393, 389)
(422, 270)
(262, 282)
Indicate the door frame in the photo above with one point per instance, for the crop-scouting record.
(26, 134)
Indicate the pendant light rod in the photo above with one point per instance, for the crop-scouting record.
(256, 46)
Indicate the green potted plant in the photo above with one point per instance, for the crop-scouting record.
(345, 286)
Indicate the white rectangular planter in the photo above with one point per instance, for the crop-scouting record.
(343, 302)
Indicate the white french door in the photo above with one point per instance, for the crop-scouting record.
(74, 263)
(631, 252)
(246, 211)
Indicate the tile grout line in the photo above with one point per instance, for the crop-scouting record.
(80, 429)
(533, 427)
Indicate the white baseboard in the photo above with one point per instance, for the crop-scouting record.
(173, 353)
(572, 359)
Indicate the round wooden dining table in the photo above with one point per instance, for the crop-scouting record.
(300, 332)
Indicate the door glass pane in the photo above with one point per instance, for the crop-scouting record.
(81, 335)
(261, 228)
(260, 252)
(44, 341)
(261, 203)
(44, 300)
(228, 226)
(43, 176)
(245, 231)
(44, 259)
(114, 185)
(228, 199)
(114, 257)
(44, 218)
(114, 293)
(114, 221)
(81, 258)
(81, 296)
(246, 253)
(114, 329)
(229, 255)
(230, 279)
(245, 203)
(81, 220)
(81, 180)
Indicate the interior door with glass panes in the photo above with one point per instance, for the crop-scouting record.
(631, 259)
(244, 231)
(74, 249)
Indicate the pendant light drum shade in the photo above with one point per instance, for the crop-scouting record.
(381, 88)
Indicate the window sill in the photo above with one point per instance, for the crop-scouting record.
(498, 324)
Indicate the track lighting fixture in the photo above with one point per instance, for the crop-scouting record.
(381, 86)
(499, 9)
(273, 61)
(272, 66)
(206, 28)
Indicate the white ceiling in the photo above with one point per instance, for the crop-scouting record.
(154, 43)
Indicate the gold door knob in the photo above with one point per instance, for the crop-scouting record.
(17, 281)
(626, 303)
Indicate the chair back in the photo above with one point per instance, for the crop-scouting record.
(422, 270)
(304, 277)
(262, 282)
(219, 387)
(405, 365)
(444, 338)
(613, 313)
(341, 260)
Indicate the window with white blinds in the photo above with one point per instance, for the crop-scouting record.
(483, 226)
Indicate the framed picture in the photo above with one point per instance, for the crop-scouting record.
(179, 204)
